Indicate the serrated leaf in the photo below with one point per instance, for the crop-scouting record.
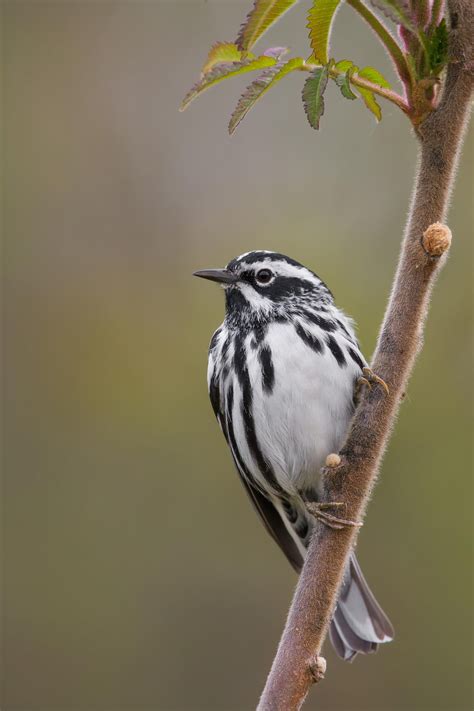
(221, 53)
(260, 86)
(396, 10)
(343, 65)
(343, 82)
(320, 18)
(374, 76)
(370, 101)
(438, 47)
(225, 71)
(313, 95)
(275, 52)
(263, 14)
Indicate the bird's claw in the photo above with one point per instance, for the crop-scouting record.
(319, 511)
(369, 378)
(359, 386)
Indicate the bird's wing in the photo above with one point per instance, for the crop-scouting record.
(271, 518)
(273, 523)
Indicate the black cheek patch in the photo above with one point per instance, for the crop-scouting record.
(283, 287)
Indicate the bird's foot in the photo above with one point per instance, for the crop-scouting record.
(368, 379)
(319, 511)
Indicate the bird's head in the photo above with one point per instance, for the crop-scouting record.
(261, 285)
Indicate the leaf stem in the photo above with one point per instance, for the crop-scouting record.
(385, 93)
(365, 84)
(391, 45)
(437, 12)
(421, 9)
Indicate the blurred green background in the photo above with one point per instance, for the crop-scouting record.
(136, 574)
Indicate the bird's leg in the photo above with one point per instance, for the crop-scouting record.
(367, 379)
(361, 383)
(319, 511)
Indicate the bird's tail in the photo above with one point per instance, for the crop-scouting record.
(359, 624)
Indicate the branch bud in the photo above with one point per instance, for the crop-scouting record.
(318, 669)
(333, 460)
(437, 239)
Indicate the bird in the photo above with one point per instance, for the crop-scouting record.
(283, 370)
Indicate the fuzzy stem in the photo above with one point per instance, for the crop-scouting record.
(421, 10)
(388, 94)
(376, 89)
(437, 12)
(351, 482)
(389, 42)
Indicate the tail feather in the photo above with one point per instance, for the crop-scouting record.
(352, 642)
(359, 624)
(336, 640)
(382, 626)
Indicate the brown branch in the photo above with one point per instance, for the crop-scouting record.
(298, 664)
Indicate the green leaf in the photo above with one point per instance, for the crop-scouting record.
(260, 86)
(320, 18)
(343, 82)
(438, 48)
(369, 100)
(225, 71)
(374, 76)
(313, 95)
(263, 14)
(220, 53)
(396, 10)
(343, 65)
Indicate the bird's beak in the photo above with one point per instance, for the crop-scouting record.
(223, 276)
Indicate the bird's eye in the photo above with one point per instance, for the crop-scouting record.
(264, 276)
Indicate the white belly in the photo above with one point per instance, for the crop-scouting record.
(306, 417)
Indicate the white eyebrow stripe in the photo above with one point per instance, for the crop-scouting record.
(282, 268)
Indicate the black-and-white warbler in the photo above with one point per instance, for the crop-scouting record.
(282, 372)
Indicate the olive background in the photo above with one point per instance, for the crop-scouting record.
(136, 573)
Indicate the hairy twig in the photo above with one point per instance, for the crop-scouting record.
(398, 58)
(365, 84)
(298, 664)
